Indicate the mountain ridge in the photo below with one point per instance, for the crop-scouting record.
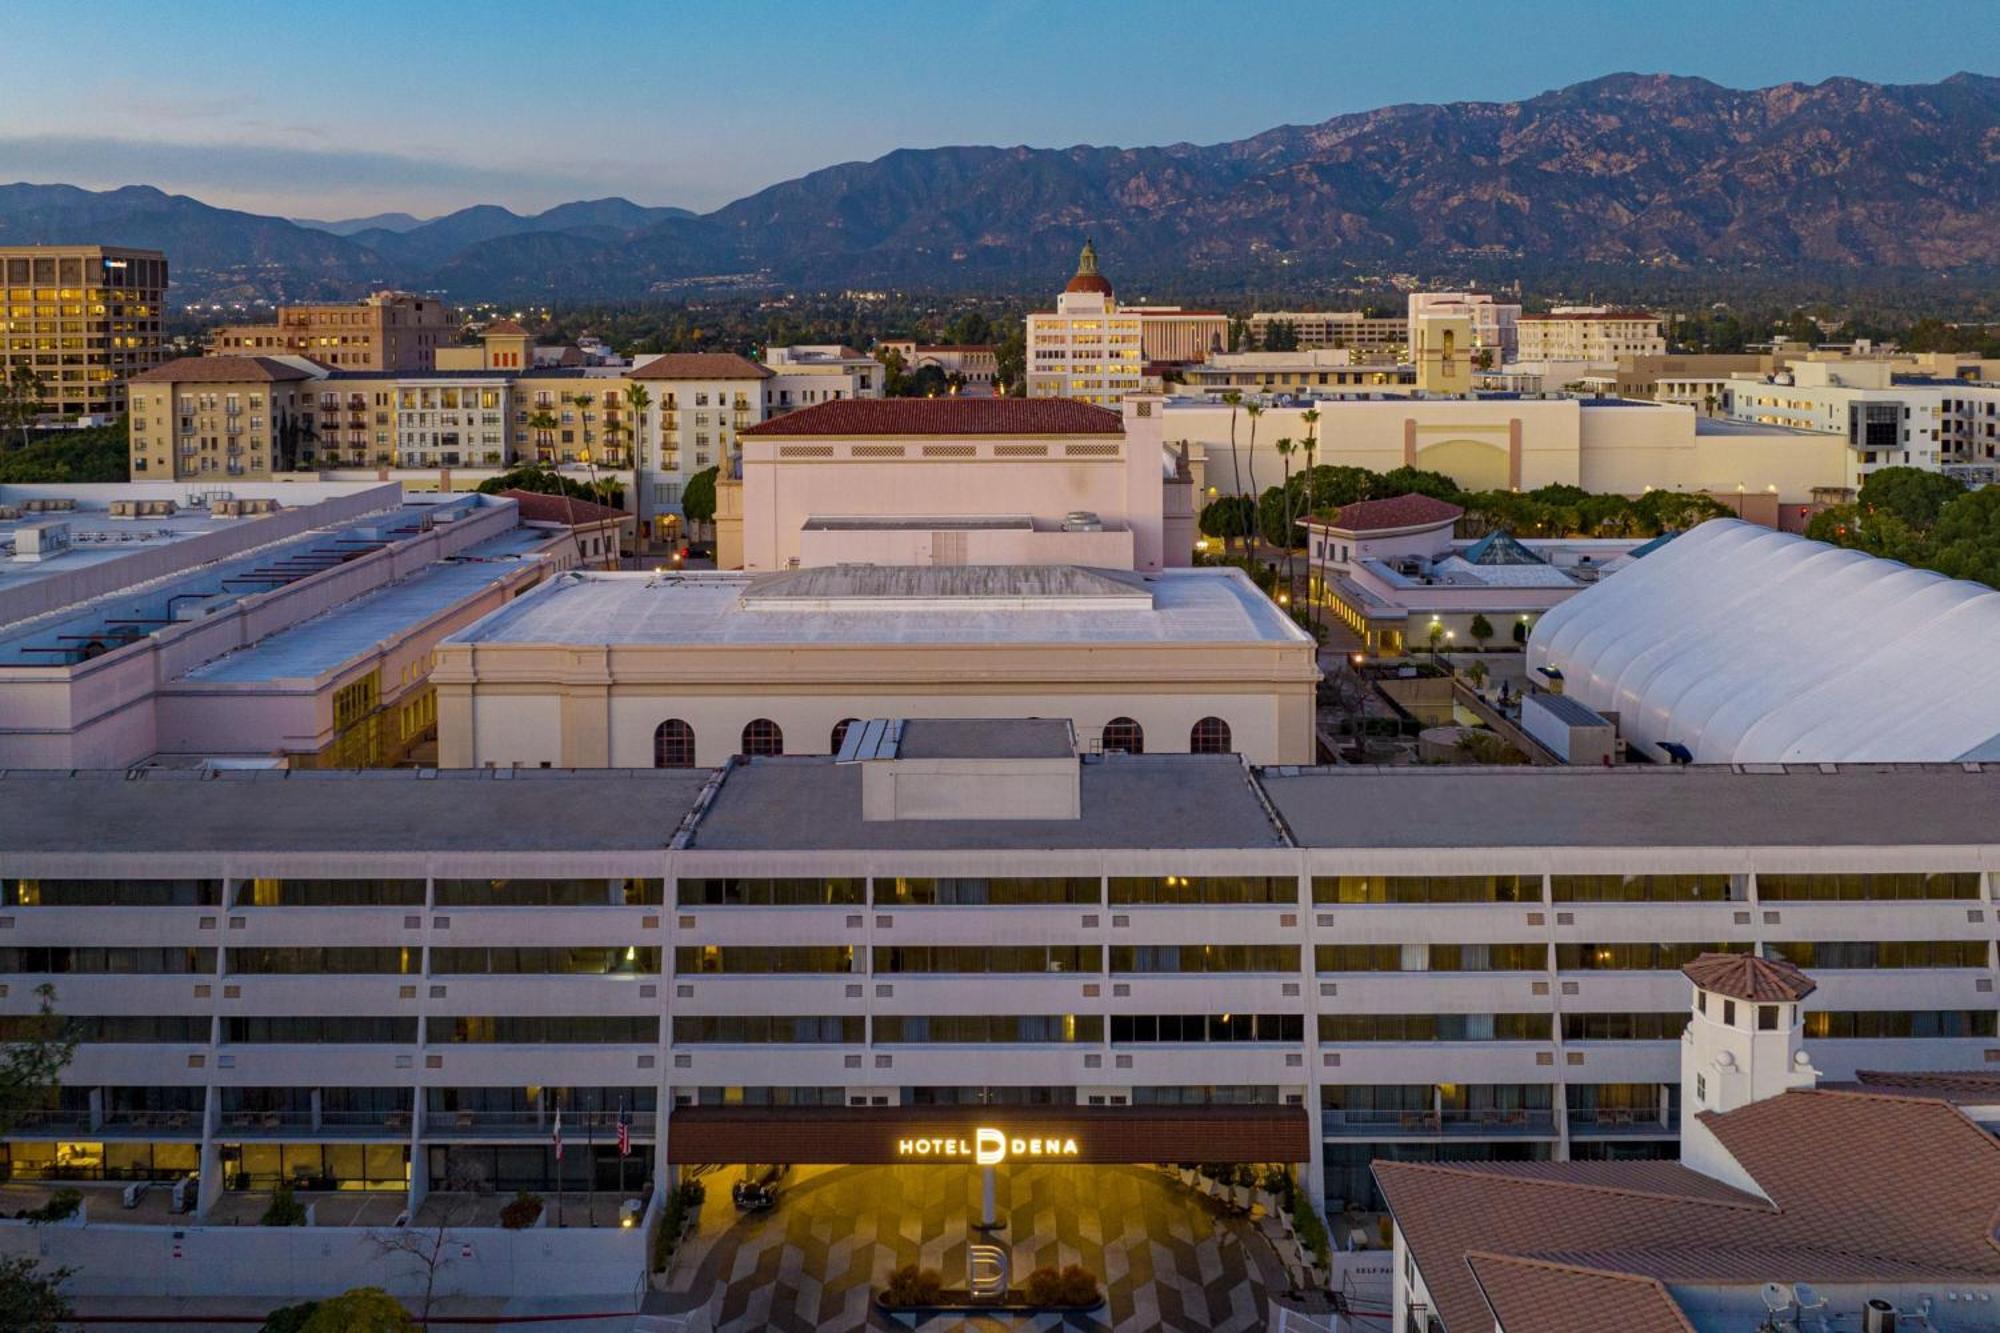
(1628, 171)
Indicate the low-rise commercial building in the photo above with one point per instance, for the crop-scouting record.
(352, 983)
(825, 373)
(84, 318)
(1317, 371)
(1372, 338)
(977, 364)
(1883, 423)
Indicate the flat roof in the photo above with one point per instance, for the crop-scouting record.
(811, 803)
(1130, 802)
(1173, 606)
(1729, 426)
(1641, 805)
(355, 810)
(985, 738)
(1565, 709)
(917, 522)
(335, 637)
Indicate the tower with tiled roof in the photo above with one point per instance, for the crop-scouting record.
(1744, 1043)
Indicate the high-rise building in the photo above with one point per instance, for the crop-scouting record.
(388, 331)
(83, 317)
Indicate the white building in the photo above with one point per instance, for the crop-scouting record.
(1597, 335)
(1372, 338)
(807, 374)
(1885, 424)
(1741, 645)
(701, 403)
(1495, 324)
(347, 981)
(1318, 371)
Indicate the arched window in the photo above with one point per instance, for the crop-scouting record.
(1209, 736)
(762, 736)
(673, 744)
(840, 734)
(1122, 733)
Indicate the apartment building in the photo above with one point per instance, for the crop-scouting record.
(700, 404)
(389, 331)
(806, 374)
(1884, 423)
(1369, 337)
(1095, 350)
(217, 418)
(1495, 324)
(338, 980)
(1597, 335)
(85, 318)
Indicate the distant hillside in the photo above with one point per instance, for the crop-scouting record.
(1633, 172)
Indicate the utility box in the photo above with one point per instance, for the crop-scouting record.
(1573, 733)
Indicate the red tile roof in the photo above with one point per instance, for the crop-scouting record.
(506, 326)
(1403, 511)
(945, 416)
(1954, 1085)
(1743, 976)
(1861, 1187)
(537, 507)
(700, 366)
(222, 370)
(1545, 1297)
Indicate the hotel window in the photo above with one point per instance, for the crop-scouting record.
(1637, 957)
(1204, 889)
(782, 1029)
(1204, 958)
(770, 892)
(753, 958)
(315, 960)
(1003, 892)
(110, 892)
(607, 960)
(548, 1029)
(981, 958)
(1832, 1024)
(1882, 954)
(1188, 1028)
(1628, 1027)
(984, 1029)
(1859, 888)
(1427, 889)
(589, 892)
(1642, 888)
(112, 960)
(1341, 1028)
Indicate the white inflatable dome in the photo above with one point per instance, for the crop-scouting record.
(1748, 645)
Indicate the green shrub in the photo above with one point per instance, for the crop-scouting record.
(683, 1203)
(285, 1210)
(362, 1310)
(911, 1286)
(520, 1213)
(289, 1318)
(1311, 1228)
(63, 1203)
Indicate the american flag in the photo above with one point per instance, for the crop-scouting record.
(624, 1132)
(558, 1133)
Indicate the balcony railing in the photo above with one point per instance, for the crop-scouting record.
(1602, 1123)
(257, 1124)
(578, 1126)
(1533, 1122)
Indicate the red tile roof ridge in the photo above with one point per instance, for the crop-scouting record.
(1669, 1309)
(1744, 1203)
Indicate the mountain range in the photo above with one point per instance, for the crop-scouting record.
(1627, 171)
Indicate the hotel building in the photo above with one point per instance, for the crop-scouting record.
(1095, 350)
(348, 982)
(388, 331)
(85, 318)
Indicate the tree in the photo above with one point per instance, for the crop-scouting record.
(362, 1310)
(97, 453)
(1915, 496)
(429, 1248)
(1280, 335)
(637, 401)
(31, 1301)
(1288, 534)
(1968, 537)
(1418, 481)
(543, 423)
(698, 498)
(1234, 399)
(1253, 411)
(21, 395)
(1311, 419)
(1481, 630)
(539, 478)
(31, 1065)
(1010, 361)
(1227, 518)
(929, 381)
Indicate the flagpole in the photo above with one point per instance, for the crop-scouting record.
(590, 1166)
(559, 1175)
(624, 1146)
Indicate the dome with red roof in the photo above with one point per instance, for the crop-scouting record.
(1087, 278)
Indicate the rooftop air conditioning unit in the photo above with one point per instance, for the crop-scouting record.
(9, 513)
(1082, 520)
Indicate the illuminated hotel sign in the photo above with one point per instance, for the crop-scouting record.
(987, 1147)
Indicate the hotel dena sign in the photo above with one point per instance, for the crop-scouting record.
(988, 1147)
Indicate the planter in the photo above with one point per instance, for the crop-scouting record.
(1266, 1201)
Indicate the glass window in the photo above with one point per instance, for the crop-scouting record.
(1427, 888)
(763, 737)
(1641, 888)
(1214, 889)
(1209, 736)
(673, 744)
(770, 892)
(987, 892)
(1914, 885)
(1123, 734)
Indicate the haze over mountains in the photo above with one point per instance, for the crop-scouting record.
(1644, 171)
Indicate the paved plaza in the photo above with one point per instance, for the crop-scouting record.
(1167, 1258)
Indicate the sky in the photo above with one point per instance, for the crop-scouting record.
(343, 110)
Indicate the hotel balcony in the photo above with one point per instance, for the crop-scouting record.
(1515, 1122)
(1614, 1123)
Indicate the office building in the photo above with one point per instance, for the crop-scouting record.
(1595, 335)
(1664, 646)
(84, 318)
(810, 958)
(1495, 330)
(389, 331)
(1796, 1203)
(1095, 350)
(804, 375)
(289, 624)
(1883, 423)
(1372, 338)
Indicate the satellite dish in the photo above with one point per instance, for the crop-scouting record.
(1777, 1297)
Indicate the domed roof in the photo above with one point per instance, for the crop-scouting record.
(1087, 278)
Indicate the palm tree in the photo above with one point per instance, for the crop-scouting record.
(637, 400)
(1311, 417)
(1233, 398)
(1284, 446)
(1253, 411)
(543, 423)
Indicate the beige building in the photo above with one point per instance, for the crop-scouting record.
(700, 403)
(388, 331)
(1095, 350)
(1369, 337)
(1594, 334)
(643, 671)
(1320, 370)
(214, 418)
(85, 318)
(977, 363)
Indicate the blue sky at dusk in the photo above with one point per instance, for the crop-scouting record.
(364, 106)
